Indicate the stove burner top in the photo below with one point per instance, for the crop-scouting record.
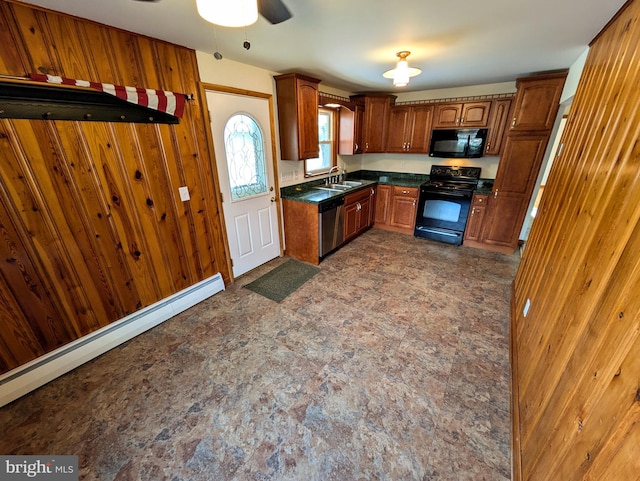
(452, 179)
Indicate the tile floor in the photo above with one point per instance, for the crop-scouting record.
(390, 364)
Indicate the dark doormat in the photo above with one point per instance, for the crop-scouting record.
(278, 283)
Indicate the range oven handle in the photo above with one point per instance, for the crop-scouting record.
(448, 194)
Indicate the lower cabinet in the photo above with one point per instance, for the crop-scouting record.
(358, 209)
(473, 230)
(396, 208)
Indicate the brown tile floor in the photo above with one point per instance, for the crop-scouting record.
(390, 364)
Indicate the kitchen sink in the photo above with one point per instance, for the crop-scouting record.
(352, 183)
(329, 189)
(340, 186)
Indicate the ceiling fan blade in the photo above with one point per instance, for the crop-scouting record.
(274, 11)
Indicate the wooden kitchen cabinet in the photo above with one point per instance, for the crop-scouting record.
(512, 189)
(396, 208)
(351, 122)
(383, 205)
(475, 220)
(453, 115)
(499, 118)
(357, 212)
(534, 111)
(536, 102)
(375, 121)
(409, 128)
(297, 97)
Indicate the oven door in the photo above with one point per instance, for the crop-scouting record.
(442, 216)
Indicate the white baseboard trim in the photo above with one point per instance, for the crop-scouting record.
(36, 373)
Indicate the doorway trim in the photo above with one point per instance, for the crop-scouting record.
(209, 87)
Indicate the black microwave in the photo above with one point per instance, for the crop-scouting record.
(458, 143)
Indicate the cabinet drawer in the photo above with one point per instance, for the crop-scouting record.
(358, 196)
(411, 192)
(479, 199)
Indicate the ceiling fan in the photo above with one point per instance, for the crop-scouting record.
(274, 11)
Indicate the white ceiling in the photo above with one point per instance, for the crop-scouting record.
(348, 44)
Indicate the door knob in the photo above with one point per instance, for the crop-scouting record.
(273, 199)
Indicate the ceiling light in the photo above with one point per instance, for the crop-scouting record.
(229, 13)
(402, 73)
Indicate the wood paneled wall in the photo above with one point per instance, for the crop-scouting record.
(92, 226)
(577, 352)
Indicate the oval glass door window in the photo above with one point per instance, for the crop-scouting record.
(244, 148)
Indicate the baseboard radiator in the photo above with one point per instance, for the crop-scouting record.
(30, 376)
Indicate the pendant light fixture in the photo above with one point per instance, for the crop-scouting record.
(402, 73)
(229, 13)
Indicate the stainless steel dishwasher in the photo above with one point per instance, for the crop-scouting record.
(330, 223)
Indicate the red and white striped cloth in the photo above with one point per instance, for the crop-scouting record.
(162, 100)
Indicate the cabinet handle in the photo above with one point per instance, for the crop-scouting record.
(408, 145)
(480, 200)
(488, 146)
(405, 191)
(366, 146)
(473, 211)
(495, 194)
(356, 149)
(513, 123)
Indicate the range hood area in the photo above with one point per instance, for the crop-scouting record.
(31, 100)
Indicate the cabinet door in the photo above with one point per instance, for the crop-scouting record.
(350, 138)
(308, 112)
(475, 114)
(403, 207)
(536, 103)
(475, 220)
(397, 129)
(419, 129)
(447, 115)
(498, 122)
(520, 164)
(351, 213)
(372, 207)
(365, 214)
(358, 146)
(503, 220)
(297, 98)
(376, 116)
(383, 204)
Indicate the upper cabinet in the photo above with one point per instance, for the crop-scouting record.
(498, 122)
(409, 128)
(376, 120)
(537, 102)
(451, 115)
(351, 120)
(297, 97)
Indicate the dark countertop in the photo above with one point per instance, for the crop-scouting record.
(307, 191)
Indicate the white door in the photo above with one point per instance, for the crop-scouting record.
(241, 129)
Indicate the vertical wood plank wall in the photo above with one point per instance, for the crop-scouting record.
(577, 352)
(92, 227)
